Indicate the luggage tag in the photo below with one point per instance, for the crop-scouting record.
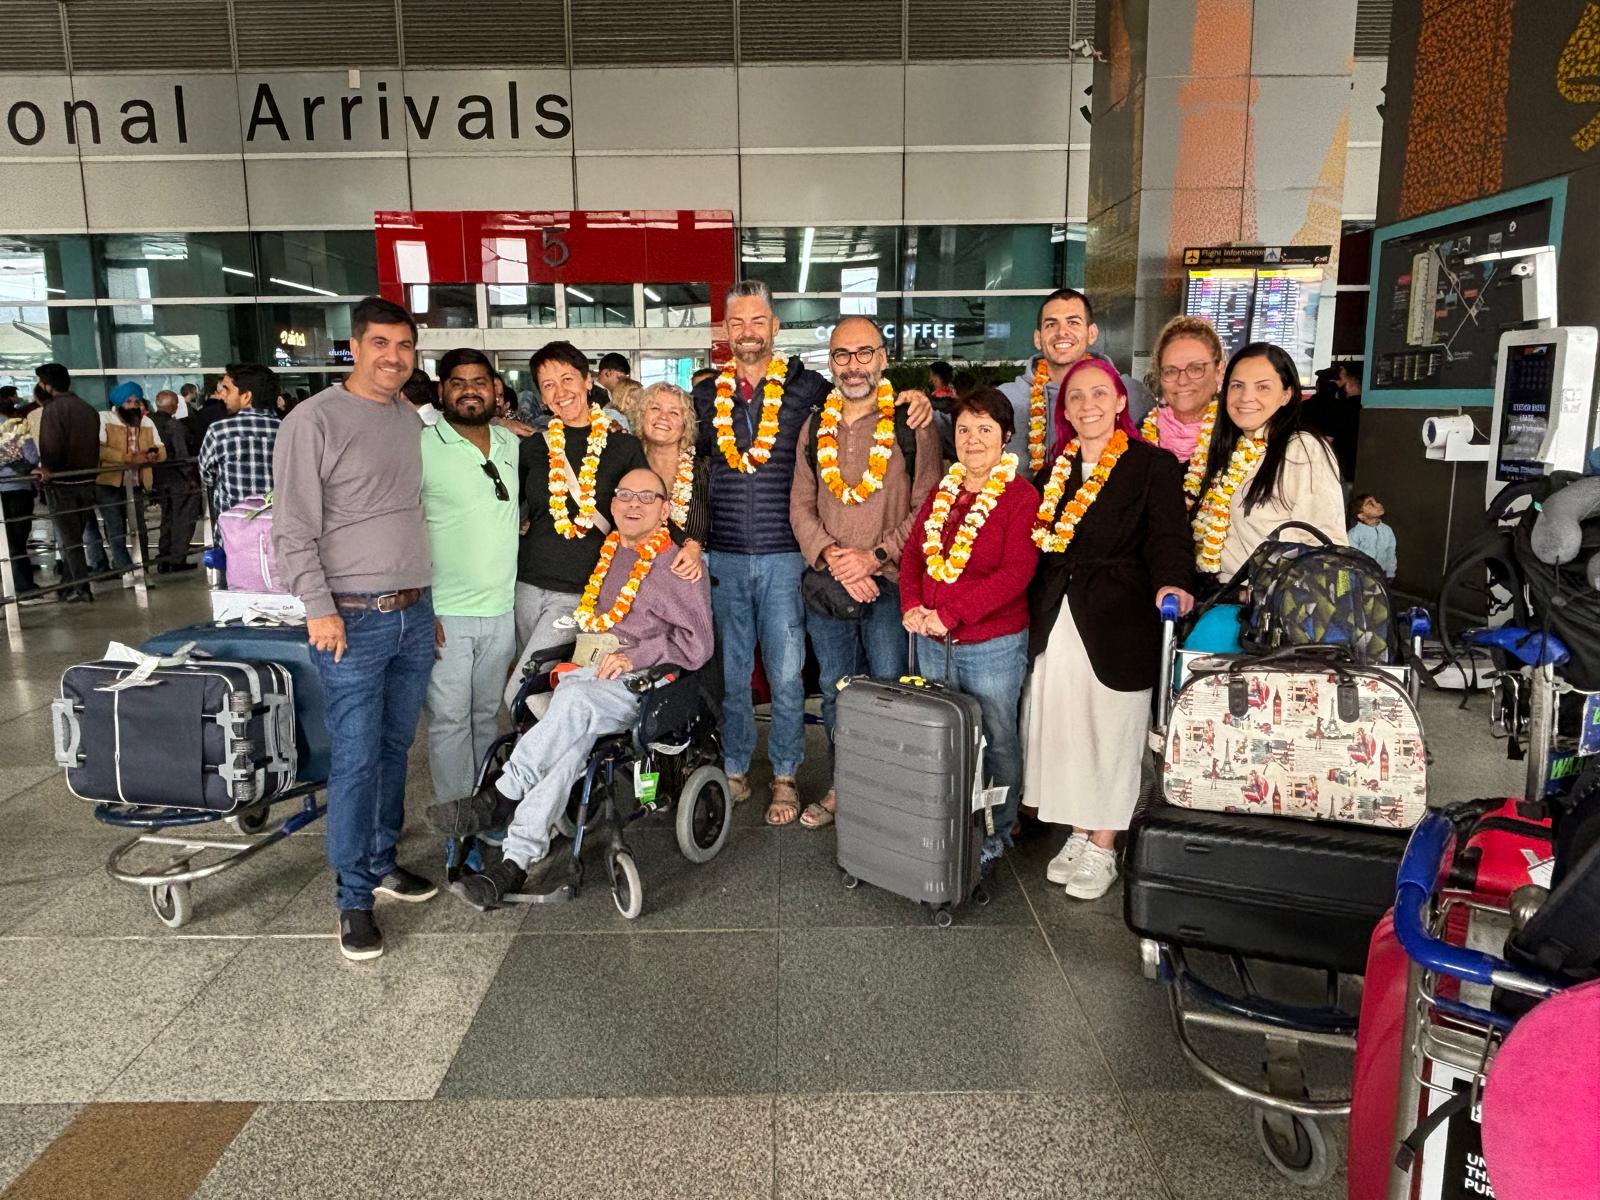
(991, 799)
(644, 785)
(982, 797)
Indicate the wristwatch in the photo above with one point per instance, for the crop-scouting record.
(879, 553)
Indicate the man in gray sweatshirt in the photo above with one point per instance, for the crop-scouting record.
(351, 543)
(667, 621)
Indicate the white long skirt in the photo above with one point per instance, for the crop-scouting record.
(1084, 741)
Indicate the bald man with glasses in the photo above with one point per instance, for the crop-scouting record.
(852, 511)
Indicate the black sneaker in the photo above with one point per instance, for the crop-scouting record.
(484, 810)
(486, 890)
(359, 935)
(401, 884)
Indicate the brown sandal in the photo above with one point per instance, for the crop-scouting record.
(785, 800)
(819, 814)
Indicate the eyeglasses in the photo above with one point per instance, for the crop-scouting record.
(862, 354)
(629, 496)
(493, 473)
(1194, 372)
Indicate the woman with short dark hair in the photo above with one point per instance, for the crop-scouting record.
(964, 576)
(1264, 467)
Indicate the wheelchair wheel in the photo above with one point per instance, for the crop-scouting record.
(704, 814)
(626, 889)
(172, 904)
(566, 822)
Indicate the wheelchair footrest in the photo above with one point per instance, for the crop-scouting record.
(561, 895)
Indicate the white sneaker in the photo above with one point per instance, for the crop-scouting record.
(1060, 868)
(1093, 876)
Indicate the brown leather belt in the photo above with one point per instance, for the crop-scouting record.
(387, 602)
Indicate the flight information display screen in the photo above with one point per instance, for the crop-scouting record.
(1223, 296)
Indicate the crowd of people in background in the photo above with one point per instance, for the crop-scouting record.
(442, 531)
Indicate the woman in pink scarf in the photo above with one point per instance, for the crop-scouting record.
(1188, 365)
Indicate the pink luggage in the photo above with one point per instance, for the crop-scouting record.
(246, 533)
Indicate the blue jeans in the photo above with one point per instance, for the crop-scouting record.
(874, 645)
(755, 598)
(113, 505)
(992, 672)
(374, 696)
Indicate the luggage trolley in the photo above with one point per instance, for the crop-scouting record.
(1285, 1116)
(1451, 1034)
(169, 884)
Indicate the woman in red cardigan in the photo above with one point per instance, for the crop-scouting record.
(965, 573)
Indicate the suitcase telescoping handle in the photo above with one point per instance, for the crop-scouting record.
(949, 667)
(1169, 638)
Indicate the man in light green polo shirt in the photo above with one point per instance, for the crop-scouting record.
(469, 496)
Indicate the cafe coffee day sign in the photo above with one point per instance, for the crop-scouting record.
(295, 113)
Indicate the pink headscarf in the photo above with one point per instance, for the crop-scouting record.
(1064, 430)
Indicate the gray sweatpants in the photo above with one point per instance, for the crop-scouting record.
(551, 756)
(538, 610)
(464, 698)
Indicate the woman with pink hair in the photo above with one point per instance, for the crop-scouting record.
(1115, 539)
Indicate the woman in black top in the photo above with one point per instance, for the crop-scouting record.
(663, 419)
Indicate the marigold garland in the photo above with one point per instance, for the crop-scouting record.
(587, 619)
(683, 488)
(1038, 407)
(760, 450)
(1202, 447)
(1057, 539)
(947, 568)
(877, 457)
(555, 440)
(1215, 514)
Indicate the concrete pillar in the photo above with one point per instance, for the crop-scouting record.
(1214, 122)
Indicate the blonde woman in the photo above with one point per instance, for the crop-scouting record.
(1188, 378)
(663, 418)
(626, 399)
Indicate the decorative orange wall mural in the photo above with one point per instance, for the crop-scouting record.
(1456, 137)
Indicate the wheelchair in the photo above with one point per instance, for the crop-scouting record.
(675, 737)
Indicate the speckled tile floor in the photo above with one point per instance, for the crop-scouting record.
(760, 1032)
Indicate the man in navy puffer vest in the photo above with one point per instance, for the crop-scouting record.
(753, 559)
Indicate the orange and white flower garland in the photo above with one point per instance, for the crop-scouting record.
(682, 488)
(877, 457)
(1038, 407)
(555, 440)
(766, 428)
(1215, 514)
(947, 568)
(591, 622)
(1057, 539)
(1202, 447)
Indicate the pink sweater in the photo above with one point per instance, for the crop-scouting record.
(670, 621)
(990, 599)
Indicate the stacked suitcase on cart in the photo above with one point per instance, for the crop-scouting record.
(207, 718)
(1224, 864)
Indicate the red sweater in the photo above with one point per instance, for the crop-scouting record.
(990, 599)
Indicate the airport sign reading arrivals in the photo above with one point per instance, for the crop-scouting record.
(311, 121)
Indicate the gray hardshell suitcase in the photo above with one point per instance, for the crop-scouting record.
(189, 733)
(906, 761)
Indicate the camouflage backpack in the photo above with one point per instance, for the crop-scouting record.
(1316, 595)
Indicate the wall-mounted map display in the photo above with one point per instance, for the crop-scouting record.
(1438, 313)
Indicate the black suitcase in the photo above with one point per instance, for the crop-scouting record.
(906, 761)
(285, 645)
(198, 734)
(1308, 893)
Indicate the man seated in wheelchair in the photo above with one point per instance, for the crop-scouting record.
(636, 613)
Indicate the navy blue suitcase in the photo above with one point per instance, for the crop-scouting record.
(282, 644)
